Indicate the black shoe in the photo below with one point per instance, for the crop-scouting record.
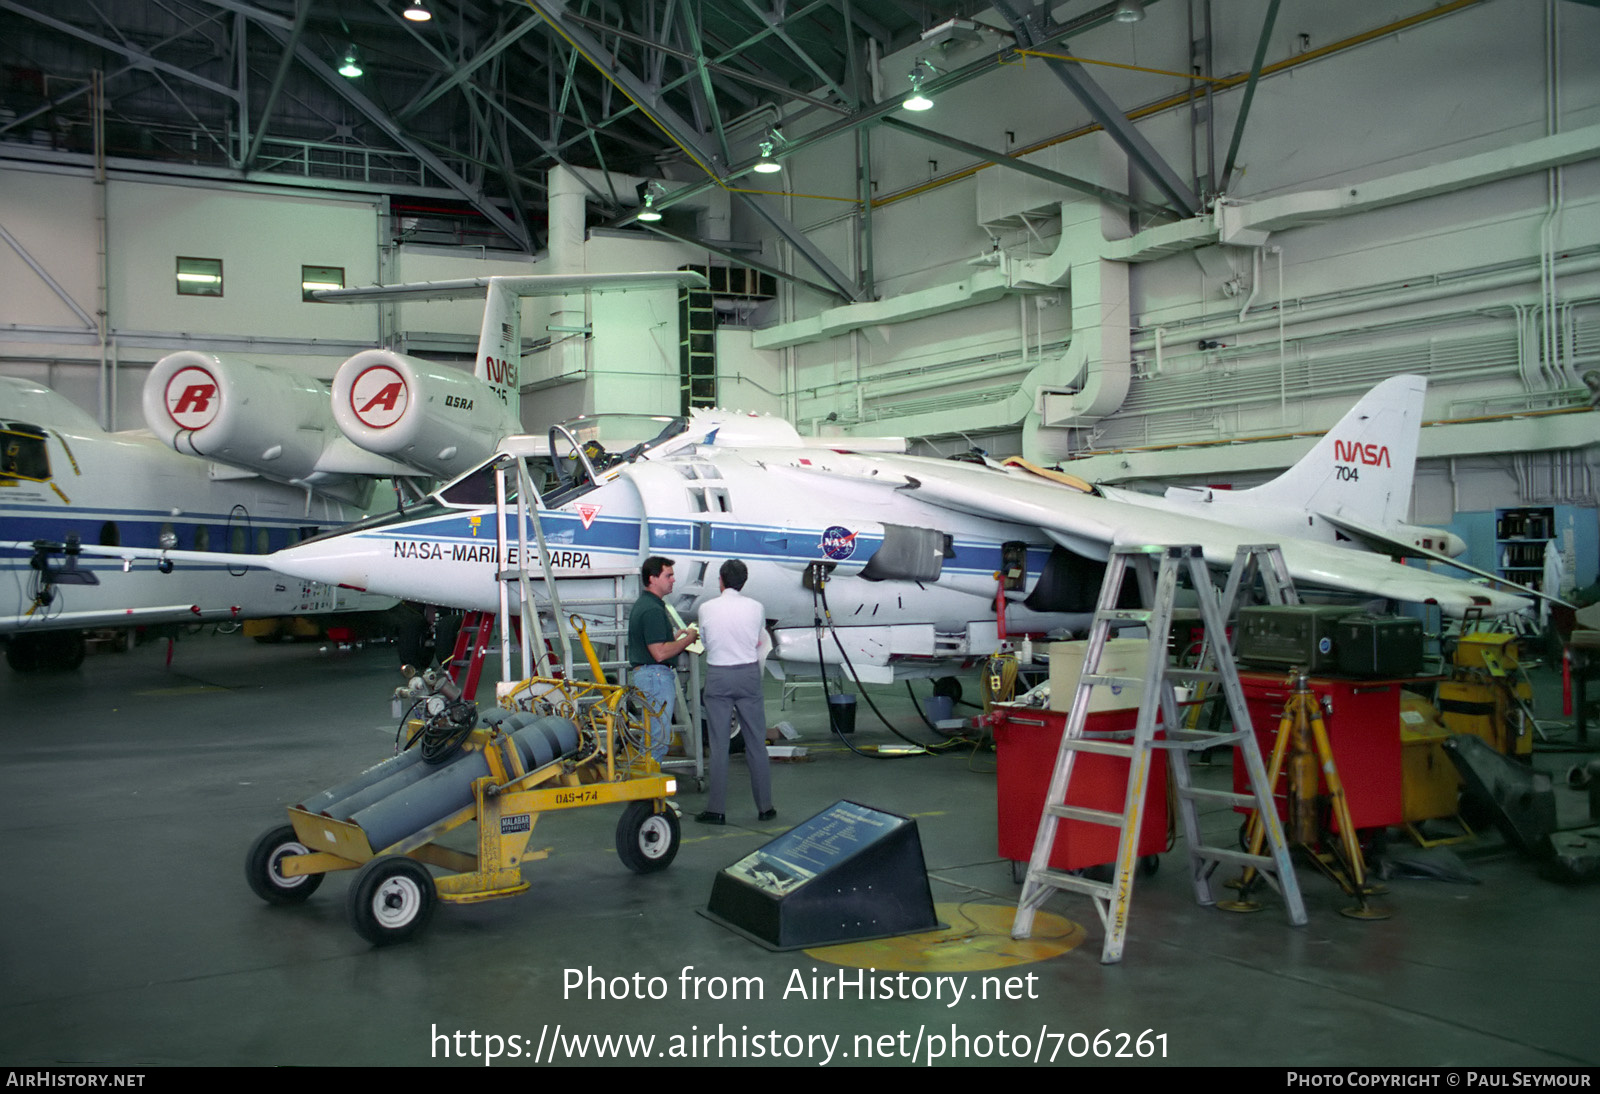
(766, 814)
(711, 818)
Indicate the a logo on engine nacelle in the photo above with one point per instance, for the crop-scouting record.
(379, 396)
(192, 399)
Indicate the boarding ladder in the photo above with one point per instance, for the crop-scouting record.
(1157, 570)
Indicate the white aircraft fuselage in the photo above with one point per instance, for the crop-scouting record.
(913, 545)
(65, 478)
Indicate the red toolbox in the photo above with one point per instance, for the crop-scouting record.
(1026, 742)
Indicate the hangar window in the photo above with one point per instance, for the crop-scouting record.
(199, 276)
(313, 278)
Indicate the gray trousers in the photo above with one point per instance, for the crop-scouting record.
(730, 688)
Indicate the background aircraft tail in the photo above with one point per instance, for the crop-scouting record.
(500, 343)
(1362, 468)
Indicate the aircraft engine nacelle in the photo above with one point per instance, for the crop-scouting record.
(437, 419)
(273, 421)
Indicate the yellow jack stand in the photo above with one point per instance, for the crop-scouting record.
(1303, 729)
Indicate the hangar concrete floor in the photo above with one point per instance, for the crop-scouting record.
(129, 793)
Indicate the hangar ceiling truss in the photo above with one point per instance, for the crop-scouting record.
(459, 119)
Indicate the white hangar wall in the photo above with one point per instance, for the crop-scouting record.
(1403, 206)
(50, 270)
(52, 275)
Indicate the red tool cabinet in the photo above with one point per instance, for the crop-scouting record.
(1026, 742)
(1363, 722)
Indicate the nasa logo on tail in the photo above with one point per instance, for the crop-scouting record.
(191, 398)
(1373, 455)
(379, 396)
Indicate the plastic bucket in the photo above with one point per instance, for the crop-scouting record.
(842, 713)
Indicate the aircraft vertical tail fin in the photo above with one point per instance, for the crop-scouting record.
(500, 343)
(1362, 468)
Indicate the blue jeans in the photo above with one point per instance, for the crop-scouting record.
(659, 685)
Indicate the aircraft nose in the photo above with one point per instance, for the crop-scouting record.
(330, 561)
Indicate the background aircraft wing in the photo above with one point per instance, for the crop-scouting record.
(520, 285)
(130, 554)
(116, 617)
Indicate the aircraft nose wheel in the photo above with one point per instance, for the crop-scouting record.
(647, 841)
(391, 899)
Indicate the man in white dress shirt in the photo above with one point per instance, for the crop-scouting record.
(733, 627)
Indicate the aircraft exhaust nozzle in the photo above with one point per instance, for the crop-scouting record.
(440, 420)
(272, 421)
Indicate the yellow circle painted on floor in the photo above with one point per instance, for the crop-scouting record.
(978, 937)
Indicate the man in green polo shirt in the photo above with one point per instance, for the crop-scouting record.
(653, 646)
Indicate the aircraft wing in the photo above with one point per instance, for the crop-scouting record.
(130, 554)
(117, 617)
(1379, 540)
(520, 285)
(1091, 526)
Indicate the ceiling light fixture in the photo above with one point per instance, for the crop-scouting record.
(766, 165)
(418, 12)
(917, 100)
(1128, 11)
(350, 69)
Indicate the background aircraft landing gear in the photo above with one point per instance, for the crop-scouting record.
(47, 651)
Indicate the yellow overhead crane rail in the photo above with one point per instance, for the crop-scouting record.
(1221, 83)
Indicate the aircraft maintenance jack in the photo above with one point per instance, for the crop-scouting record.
(1303, 739)
(572, 745)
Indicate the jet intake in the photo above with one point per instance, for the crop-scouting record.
(908, 554)
(432, 417)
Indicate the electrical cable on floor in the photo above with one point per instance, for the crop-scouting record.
(819, 588)
(819, 577)
(827, 700)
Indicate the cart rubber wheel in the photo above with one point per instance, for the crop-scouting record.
(261, 868)
(391, 899)
(647, 841)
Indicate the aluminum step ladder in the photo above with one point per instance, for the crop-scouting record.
(517, 522)
(1157, 570)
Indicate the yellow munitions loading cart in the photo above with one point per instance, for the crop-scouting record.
(562, 744)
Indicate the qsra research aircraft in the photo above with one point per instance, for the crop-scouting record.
(910, 546)
(64, 480)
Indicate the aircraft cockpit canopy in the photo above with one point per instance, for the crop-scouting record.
(582, 453)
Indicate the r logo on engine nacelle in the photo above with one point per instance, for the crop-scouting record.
(192, 399)
(379, 397)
